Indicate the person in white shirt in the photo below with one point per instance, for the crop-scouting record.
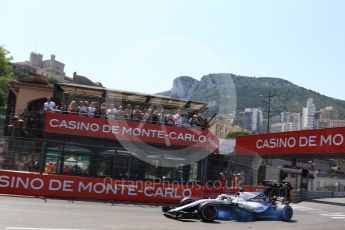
(92, 109)
(111, 112)
(49, 105)
(83, 108)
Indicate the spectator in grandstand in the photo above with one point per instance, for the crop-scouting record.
(177, 115)
(169, 119)
(50, 168)
(28, 163)
(60, 107)
(98, 111)
(92, 109)
(154, 117)
(68, 169)
(184, 119)
(161, 116)
(137, 114)
(202, 120)
(83, 108)
(103, 110)
(18, 126)
(111, 112)
(147, 115)
(36, 164)
(18, 164)
(49, 105)
(128, 112)
(119, 113)
(178, 118)
(73, 107)
(193, 121)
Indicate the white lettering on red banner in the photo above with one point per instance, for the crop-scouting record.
(138, 132)
(309, 141)
(12, 182)
(52, 185)
(129, 130)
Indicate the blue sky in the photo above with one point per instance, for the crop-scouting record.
(143, 45)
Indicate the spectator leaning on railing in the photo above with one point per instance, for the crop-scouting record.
(111, 112)
(49, 105)
(193, 121)
(73, 107)
(103, 110)
(153, 114)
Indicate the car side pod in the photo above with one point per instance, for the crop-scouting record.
(207, 212)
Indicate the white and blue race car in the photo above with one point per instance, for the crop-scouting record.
(244, 206)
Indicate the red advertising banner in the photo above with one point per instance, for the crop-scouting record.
(72, 124)
(50, 185)
(75, 187)
(318, 141)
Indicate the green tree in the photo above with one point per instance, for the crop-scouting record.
(6, 74)
(234, 134)
(2, 99)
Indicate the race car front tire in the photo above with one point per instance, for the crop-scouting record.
(185, 201)
(207, 212)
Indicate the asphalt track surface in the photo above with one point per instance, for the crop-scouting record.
(23, 213)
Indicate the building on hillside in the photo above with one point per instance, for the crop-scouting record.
(285, 117)
(296, 119)
(253, 120)
(50, 68)
(322, 124)
(275, 119)
(328, 117)
(329, 113)
(284, 127)
(277, 128)
(308, 116)
(288, 122)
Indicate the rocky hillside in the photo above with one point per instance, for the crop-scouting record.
(226, 93)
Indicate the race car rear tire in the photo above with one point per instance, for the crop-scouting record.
(207, 212)
(185, 201)
(286, 212)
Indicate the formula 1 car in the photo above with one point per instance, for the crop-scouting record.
(244, 206)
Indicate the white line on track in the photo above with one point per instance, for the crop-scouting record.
(28, 228)
(301, 208)
(332, 214)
